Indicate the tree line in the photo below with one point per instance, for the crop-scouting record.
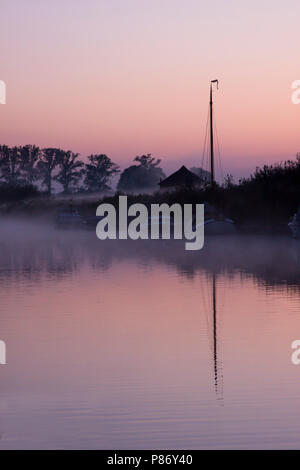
(29, 165)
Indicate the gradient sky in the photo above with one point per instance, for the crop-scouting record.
(126, 77)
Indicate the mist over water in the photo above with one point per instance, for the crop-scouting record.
(141, 344)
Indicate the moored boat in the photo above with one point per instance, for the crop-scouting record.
(294, 224)
(215, 223)
(68, 218)
(219, 226)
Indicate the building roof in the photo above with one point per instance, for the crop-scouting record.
(182, 177)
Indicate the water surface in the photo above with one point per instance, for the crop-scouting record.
(121, 345)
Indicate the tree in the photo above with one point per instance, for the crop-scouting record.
(203, 174)
(70, 169)
(146, 175)
(147, 162)
(29, 156)
(99, 172)
(228, 181)
(10, 170)
(48, 161)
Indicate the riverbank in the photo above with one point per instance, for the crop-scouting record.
(262, 203)
(261, 218)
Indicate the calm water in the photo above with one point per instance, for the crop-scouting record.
(144, 345)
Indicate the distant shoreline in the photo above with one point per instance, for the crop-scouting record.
(47, 207)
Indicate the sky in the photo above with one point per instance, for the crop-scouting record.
(128, 77)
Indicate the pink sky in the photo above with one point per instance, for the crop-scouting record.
(126, 77)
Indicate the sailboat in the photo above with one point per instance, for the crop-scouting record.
(294, 224)
(216, 224)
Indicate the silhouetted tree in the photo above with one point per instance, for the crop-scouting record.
(10, 171)
(146, 175)
(99, 172)
(29, 157)
(203, 174)
(147, 162)
(228, 181)
(70, 169)
(49, 159)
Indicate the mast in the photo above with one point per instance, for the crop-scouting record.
(212, 163)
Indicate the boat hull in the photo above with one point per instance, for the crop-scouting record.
(295, 229)
(219, 227)
(68, 220)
